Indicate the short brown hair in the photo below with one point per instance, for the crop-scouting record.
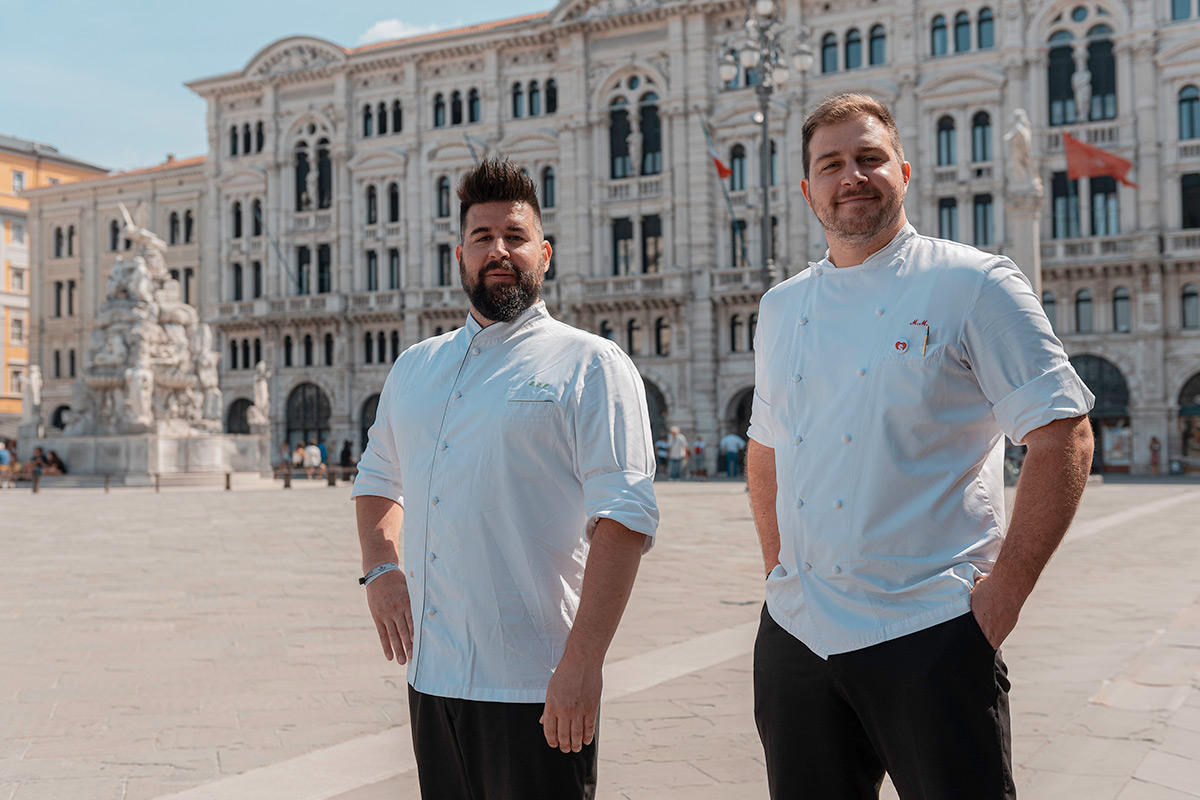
(841, 107)
(496, 181)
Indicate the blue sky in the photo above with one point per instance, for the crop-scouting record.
(104, 81)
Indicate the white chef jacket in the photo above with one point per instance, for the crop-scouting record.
(506, 445)
(889, 448)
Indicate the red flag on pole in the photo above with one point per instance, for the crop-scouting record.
(1088, 161)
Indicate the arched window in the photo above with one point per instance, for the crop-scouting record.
(651, 129)
(394, 268)
(439, 110)
(114, 236)
(853, 49)
(937, 36)
(372, 205)
(236, 421)
(246, 354)
(1191, 306)
(662, 337)
(535, 99)
(393, 202)
(1048, 305)
(368, 348)
(1189, 112)
(829, 53)
(1121, 310)
(324, 175)
(368, 121)
(946, 155)
(329, 349)
(233, 355)
(878, 46)
(256, 220)
(237, 219)
(173, 228)
(443, 197)
(397, 117)
(308, 350)
(551, 96)
(735, 333)
(58, 363)
(618, 139)
(260, 138)
(257, 280)
(962, 32)
(518, 101)
(381, 347)
(381, 119)
(987, 29)
(456, 108)
(372, 271)
(307, 415)
(474, 108)
(549, 193)
(233, 140)
(1103, 67)
(246, 138)
(633, 337)
(737, 165)
(303, 165)
(981, 137)
(287, 351)
(236, 283)
(59, 242)
(606, 330)
(1083, 311)
(395, 345)
(189, 224)
(257, 351)
(1059, 71)
(70, 240)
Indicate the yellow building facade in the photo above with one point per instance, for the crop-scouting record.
(24, 165)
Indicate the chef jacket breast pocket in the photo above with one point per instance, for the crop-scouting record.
(525, 408)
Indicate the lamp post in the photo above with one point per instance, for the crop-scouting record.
(763, 49)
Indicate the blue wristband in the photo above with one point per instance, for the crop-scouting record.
(391, 566)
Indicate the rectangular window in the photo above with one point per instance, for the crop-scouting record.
(1106, 212)
(1064, 196)
(324, 269)
(737, 241)
(303, 268)
(652, 243)
(189, 284)
(18, 234)
(17, 331)
(622, 243)
(257, 278)
(372, 271)
(16, 280)
(18, 183)
(71, 364)
(1189, 191)
(983, 220)
(237, 281)
(394, 268)
(58, 298)
(948, 218)
(443, 265)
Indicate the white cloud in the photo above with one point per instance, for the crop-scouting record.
(387, 29)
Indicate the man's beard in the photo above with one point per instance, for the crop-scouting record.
(860, 228)
(505, 302)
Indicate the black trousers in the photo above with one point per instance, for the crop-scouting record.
(474, 750)
(930, 709)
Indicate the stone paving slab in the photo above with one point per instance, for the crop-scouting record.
(156, 643)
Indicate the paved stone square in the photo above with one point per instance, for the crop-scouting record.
(203, 644)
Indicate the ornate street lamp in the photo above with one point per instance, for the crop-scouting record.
(764, 49)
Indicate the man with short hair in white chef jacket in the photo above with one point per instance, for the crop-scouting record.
(516, 451)
(888, 374)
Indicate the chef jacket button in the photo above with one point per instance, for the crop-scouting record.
(836, 569)
(861, 372)
(846, 438)
(433, 502)
(456, 395)
(807, 567)
(879, 312)
(431, 613)
(804, 320)
(442, 446)
(837, 503)
(797, 378)
(799, 503)
(432, 557)
(798, 440)
(475, 351)
(819, 272)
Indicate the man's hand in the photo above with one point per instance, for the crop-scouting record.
(995, 614)
(387, 597)
(572, 705)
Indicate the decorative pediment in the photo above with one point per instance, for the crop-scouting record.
(572, 10)
(244, 178)
(292, 55)
(374, 160)
(541, 142)
(959, 84)
(1185, 52)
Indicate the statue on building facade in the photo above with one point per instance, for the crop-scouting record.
(150, 365)
(1022, 166)
(1081, 87)
(31, 402)
(260, 412)
(311, 184)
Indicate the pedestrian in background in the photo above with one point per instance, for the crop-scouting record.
(732, 446)
(677, 452)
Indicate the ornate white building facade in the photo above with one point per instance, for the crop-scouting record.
(317, 233)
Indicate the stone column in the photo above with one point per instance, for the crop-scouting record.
(1024, 221)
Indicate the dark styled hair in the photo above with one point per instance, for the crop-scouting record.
(496, 181)
(841, 107)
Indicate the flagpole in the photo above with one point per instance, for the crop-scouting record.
(737, 229)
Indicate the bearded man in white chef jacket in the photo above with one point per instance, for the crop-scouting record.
(515, 453)
(887, 375)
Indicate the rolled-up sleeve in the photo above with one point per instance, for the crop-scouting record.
(614, 456)
(379, 468)
(1019, 362)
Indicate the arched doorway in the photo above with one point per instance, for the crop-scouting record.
(657, 406)
(737, 417)
(1110, 416)
(369, 409)
(1189, 423)
(236, 420)
(307, 414)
